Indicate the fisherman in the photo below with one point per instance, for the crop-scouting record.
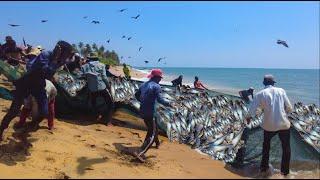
(33, 82)
(244, 94)
(29, 105)
(33, 53)
(109, 74)
(10, 52)
(126, 71)
(98, 84)
(197, 84)
(177, 82)
(275, 104)
(147, 94)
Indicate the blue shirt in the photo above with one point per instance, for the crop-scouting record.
(147, 94)
(42, 62)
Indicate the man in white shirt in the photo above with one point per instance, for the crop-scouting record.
(275, 105)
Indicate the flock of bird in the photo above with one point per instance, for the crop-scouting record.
(280, 42)
(109, 40)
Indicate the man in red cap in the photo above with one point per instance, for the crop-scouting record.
(147, 94)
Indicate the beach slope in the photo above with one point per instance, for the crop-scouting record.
(81, 147)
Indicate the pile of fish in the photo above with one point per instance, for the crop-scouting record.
(122, 90)
(70, 84)
(213, 124)
(306, 120)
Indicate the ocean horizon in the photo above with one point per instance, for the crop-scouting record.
(301, 85)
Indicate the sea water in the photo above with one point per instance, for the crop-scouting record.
(300, 84)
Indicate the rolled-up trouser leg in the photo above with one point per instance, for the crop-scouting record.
(51, 113)
(150, 137)
(26, 110)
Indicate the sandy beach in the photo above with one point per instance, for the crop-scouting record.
(81, 147)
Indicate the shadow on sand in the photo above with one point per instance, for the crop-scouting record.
(85, 163)
(16, 149)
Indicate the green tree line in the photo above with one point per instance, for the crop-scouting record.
(105, 56)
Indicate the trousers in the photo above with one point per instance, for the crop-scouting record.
(152, 134)
(108, 100)
(284, 136)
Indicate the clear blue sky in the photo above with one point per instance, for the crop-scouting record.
(189, 34)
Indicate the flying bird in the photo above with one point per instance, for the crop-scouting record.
(161, 59)
(136, 17)
(85, 17)
(14, 25)
(140, 48)
(123, 36)
(129, 57)
(121, 10)
(284, 43)
(121, 57)
(108, 41)
(129, 38)
(96, 22)
(146, 62)
(43, 21)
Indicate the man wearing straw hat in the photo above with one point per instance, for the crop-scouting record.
(147, 94)
(98, 84)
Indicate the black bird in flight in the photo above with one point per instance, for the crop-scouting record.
(43, 21)
(129, 57)
(121, 57)
(284, 43)
(123, 36)
(161, 59)
(96, 22)
(146, 62)
(108, 41)
(85, 17)
(14, 25)
(121, 10)
(136, 17)
(140, 48)
(129, 38)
